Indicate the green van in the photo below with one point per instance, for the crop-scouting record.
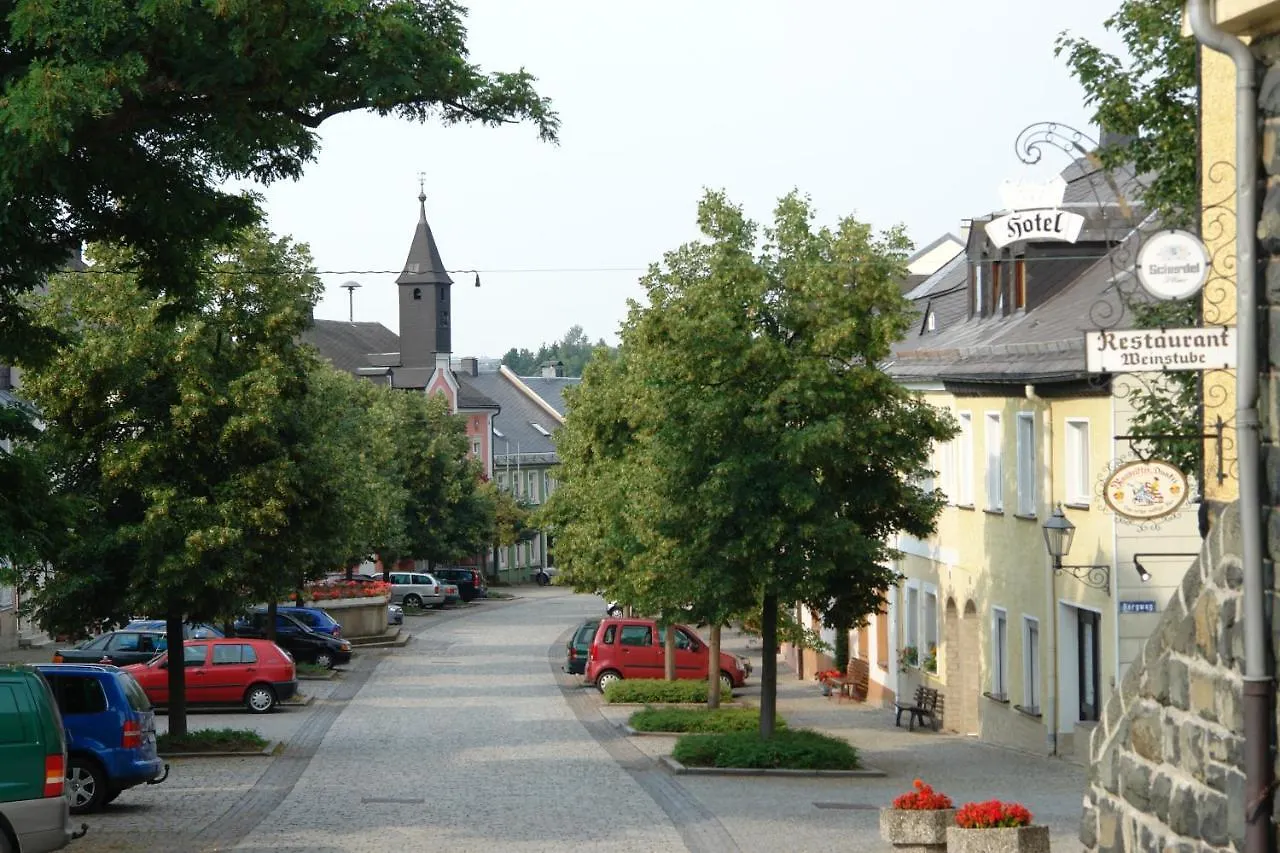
(35, 815)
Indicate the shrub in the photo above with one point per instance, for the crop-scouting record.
(212, 740)
(648, 690)
(801, 749)
(698, 720)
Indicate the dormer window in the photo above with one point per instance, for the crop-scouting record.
(931, 322)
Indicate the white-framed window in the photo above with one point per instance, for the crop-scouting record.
(1026, 463)
(929, 629)
(502, 482)
(475, 447)
(980, 290)
(964, 460)
(534, 480)
(1031, 664)
(535, 551)
(911, 618)
(1077, 461)
(927, 482)
(999, 653)
(994, 439)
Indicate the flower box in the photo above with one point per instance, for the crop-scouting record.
(917, 830)
(998, 839)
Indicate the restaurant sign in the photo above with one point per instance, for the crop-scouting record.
(1141, 350)
(1142, 491)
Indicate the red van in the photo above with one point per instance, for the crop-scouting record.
(634, 648)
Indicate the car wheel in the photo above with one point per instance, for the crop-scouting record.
(615, 611)
(5, 845)
(412, 600)
(609, 676)
(726, 683)
(260, 699)
(86, 785)
(324, 659)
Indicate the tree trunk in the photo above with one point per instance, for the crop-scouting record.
(769, 666)
(177, 674)
(270, 627)
(842, 645)
(669, 653)
(713, 666)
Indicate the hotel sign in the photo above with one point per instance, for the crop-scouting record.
(1042, 224)
(1142, 491)
(1141, 350)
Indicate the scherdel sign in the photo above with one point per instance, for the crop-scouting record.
(1145, 490)
(1044, 224)
(1173, 265)
(1140, 350)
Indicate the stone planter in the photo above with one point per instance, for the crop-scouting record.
(359, 617)
(917, 830)
(1003, 839)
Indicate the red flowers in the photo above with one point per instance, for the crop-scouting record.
(924, 798)
(827, 674)
(992, 813)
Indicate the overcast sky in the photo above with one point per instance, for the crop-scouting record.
(902, 111)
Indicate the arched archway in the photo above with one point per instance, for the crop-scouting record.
(951, 664)
(970, 666)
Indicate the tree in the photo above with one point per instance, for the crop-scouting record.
(574, 350)
(172, 437)
(1150, 104)
(123, 121)
(745, 449)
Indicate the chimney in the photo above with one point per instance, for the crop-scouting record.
(552, 369)
(470, 366)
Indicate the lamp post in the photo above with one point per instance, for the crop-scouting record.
(1058, 533)
(351, 287)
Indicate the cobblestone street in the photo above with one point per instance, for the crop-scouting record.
(469, 738)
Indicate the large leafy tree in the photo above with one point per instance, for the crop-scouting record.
(758, 451)
(574, 350)
(175, 442)
(1148, 100)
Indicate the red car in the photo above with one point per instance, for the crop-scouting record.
(633, 648)
(231, 670)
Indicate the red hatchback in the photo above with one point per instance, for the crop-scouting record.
(224, 671)
(634, 648)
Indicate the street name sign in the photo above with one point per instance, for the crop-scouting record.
(1137, 607)
(1142, 350)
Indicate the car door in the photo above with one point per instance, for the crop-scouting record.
(122, 650)
(88, 723)
(229, 671)
(638, 655)
(691, 655)
(90, 652)
(399, 586)
(195, 658)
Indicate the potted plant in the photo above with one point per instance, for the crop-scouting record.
(930, 663)
(908, 657)
(918, 820)
(825, 677)
(996, 827)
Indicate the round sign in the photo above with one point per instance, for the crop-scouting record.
(1173, 265)
(1145, 490)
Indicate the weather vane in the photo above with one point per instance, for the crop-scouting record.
(422, 183)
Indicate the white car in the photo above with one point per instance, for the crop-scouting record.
(416, 589)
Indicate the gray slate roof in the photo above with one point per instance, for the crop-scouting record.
(551, 389)
(518, 416)
(423, 266)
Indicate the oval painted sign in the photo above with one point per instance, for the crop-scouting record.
(1145, 490)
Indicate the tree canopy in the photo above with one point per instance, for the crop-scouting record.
(745, 449)
(574, 350)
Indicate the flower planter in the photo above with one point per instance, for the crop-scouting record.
(1001, 839)
(917, 830)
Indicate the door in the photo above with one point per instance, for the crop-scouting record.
(689, 663)
(1088, 664)
(84, 710)
(229, 671)
(638, 656)
(198, 678)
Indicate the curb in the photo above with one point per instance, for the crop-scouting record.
(328, 676)
(399, 642)
(267, 751)
(299, 700)
(737, 703)
(676, 768)
(636, 733)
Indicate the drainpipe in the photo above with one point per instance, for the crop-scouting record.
(1258, 682)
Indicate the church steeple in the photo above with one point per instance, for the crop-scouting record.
(424, 299)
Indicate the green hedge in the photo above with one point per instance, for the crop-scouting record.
(212, 740)
(698, 720)
(646, 690)
(800, 749)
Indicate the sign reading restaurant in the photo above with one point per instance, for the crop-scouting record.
(1140, 350)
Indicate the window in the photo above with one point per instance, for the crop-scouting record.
(475, 447)
(911, 624)
(497, 433)
(1019, 284)
(995, 463)
(927, 482)
(194, 655)
(929, 642)
(540, 428)
(636, 635)
(947, 469)
(6, 597)
(1026, 463)
(609, 634)
(417, 291)
(502, 482)
(964, 461)
(930, 321)
(683, 640)
(397, 577)
(997, 293)
(125, 641)
(78, 694)
(1031, 664)
(1078, 462)
(533, 486)
(999, 653)
(226, 653)
(979, 290)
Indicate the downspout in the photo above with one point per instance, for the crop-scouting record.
(1050, 702)
(1258, 682)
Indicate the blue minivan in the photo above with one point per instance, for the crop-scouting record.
(111, 732)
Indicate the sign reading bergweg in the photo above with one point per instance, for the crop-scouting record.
(1145, 490)
(1140, 350)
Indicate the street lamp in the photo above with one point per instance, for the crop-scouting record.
(1058, 533)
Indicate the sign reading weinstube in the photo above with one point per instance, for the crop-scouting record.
(1140, 350)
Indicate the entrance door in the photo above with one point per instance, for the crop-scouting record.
(1087, 655)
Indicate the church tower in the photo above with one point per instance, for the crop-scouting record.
(424, 286)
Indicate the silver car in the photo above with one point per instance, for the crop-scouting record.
(416, 589)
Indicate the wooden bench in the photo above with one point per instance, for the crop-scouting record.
(855, 682)
(926, 706)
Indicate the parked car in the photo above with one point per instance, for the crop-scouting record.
(111, 732)
(613, 608)
(33, 764)
(470, 582)
(579, 646)
(633, 648)
(222, 671)
(395, 614)
(190, 631)
(119, 648)
(313, 617)
(296, 638)
(416, 589)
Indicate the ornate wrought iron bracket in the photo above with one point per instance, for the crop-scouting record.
(1098, 577)
(1218, 427)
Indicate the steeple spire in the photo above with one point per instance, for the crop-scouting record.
(423, 266)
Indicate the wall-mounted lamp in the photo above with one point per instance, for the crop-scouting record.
(1143, 574)
(1142, 570)
(1058, 533)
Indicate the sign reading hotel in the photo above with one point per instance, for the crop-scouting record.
(1035, 214)
(1141, 350)
(1143, 491)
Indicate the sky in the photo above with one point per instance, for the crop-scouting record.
(904, 111)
